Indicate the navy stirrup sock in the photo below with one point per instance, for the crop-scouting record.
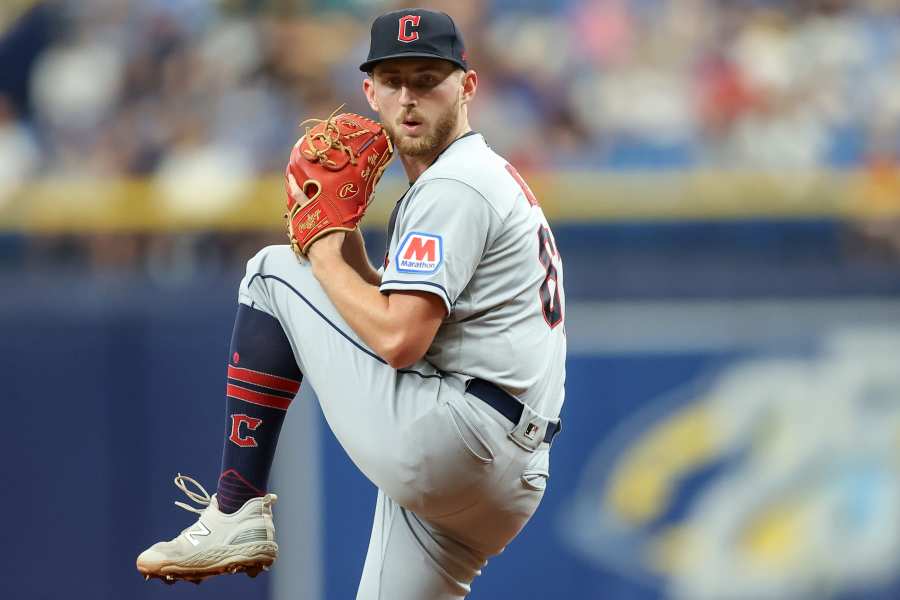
(263, 378)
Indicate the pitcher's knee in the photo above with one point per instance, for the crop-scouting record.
(270, 259)
(272, 262)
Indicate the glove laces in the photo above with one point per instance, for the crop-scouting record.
(330, 138)
(202, 498)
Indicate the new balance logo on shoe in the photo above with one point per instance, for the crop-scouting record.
(197, 529)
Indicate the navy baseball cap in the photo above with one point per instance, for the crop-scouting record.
(415, 32)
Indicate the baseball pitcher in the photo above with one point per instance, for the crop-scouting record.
(441, 373)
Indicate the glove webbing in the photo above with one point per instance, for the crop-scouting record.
(330, 137)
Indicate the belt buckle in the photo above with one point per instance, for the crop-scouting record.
(529, 432)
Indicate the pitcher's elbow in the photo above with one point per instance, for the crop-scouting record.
(399, 353)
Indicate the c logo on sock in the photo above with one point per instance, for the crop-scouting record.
(246, 441)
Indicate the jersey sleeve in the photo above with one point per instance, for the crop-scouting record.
(441, 235)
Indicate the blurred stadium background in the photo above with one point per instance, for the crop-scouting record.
(723, 182)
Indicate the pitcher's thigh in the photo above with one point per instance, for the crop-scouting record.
(325, 346)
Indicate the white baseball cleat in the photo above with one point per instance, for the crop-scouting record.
(217, 543)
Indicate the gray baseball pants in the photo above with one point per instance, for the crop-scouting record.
(454, 490)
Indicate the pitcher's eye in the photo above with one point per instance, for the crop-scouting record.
(426, 80)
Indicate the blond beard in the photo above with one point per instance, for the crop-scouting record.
(430, 143)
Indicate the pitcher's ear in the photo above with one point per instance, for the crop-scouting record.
(369, 91)
(469, 85)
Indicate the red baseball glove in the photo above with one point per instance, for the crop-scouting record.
(336, 164)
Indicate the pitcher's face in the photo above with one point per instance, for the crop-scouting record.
(419, 102)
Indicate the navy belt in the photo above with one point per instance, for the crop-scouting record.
(506, 404)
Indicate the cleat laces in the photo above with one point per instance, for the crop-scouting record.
(202, 498)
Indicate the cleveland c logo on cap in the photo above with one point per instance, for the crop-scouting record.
(407, 23)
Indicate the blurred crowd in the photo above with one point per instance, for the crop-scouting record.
(177, 87)
(188, 91)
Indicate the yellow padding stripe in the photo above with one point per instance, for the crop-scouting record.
(137, 205)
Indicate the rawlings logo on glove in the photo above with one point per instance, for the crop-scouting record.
(334, 161)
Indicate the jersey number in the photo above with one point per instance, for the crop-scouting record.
(551, 304)
(549, 290)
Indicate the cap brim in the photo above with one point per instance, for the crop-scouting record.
(367, 66)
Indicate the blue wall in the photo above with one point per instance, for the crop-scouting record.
(112, 383)
(115, 387)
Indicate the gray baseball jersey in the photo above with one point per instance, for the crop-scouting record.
(455, 483)
(470, 231)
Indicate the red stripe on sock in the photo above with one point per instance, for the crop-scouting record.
(282, 384)
(257, 398)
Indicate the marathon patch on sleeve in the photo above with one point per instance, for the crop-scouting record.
(420, 253)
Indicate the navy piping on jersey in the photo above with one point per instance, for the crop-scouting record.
(422, 375)
(431, 283)
(336, 328)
